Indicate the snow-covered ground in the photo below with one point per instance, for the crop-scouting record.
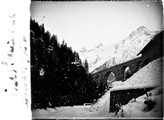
(136, 109)
(150, 75)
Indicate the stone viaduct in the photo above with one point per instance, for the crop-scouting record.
(121, 72)
(118, 72)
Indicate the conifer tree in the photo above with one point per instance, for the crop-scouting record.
(57, 75)
(86, 65)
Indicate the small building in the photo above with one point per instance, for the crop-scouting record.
(153, 50)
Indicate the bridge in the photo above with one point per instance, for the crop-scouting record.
(121, 72)
(118, 72)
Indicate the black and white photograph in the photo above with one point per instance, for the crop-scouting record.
(96, 59)
(81, 59)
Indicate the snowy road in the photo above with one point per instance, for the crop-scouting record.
(65, 112)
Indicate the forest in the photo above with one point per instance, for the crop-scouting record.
(58, 76)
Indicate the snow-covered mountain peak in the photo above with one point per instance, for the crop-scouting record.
(98, 46)
(142, 28)
(83, 50)
(140, 32)
(105, 56)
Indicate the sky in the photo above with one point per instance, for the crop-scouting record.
(87, 24)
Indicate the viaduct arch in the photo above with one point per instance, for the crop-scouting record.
(120, 72)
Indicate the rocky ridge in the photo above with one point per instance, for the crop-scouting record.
(105, 56)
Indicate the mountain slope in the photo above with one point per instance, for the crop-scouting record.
(105, 56)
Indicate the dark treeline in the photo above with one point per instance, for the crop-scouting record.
(58, 77)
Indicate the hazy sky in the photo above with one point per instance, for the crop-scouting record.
(86, 24)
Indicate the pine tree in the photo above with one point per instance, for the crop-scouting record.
(86, 66)
(57, 75)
